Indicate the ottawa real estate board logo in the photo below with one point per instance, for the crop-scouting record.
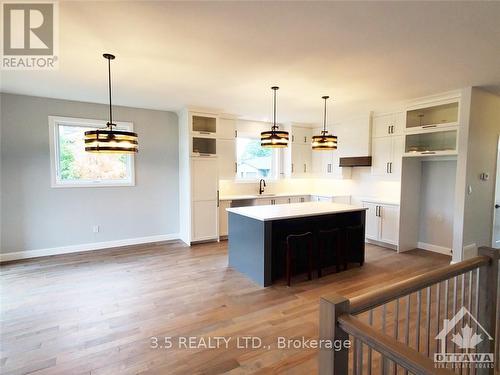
(466, 333)
(30, 35)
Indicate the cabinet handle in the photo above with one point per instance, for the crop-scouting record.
(217, 198)
(392, 129)
(289, 200)
(236, 134)
(388, 129)
(293, 138)
(305, 168)
(376, 211)
(427, 153)
(329, 168)
(205, 133)
(387, 167)
(428, 126)
(390, 167)
(235, 167)
(292, 167)
(305, 139)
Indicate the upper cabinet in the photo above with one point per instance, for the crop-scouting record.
(442, 114)
(388, 124)
(204, 124)
(301, 135)
(226, 148)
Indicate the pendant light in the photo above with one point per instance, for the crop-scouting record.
(325, 141)
(108, 140)
(275, 138)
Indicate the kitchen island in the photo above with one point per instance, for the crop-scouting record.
(257, 233)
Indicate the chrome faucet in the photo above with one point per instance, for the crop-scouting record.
(261, 189)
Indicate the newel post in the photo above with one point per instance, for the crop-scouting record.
(331, 361)
(488, 294)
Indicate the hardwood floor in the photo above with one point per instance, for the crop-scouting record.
(95, 312)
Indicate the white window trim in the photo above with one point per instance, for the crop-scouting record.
(56, 182)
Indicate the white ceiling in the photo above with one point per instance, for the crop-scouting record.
(227, 54)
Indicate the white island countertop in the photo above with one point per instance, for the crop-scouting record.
(293, 210)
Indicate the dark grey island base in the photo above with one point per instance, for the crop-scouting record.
(256, 236)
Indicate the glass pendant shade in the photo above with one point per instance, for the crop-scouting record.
(111, 141)
(107, 140)
(324, 141)
(274, 138)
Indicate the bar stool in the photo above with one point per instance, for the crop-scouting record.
(293, 243)
(329, 240)
(355, 241)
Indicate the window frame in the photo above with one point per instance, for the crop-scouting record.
(56, 181)
(275, 164)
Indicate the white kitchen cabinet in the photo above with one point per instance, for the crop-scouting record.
(223, 218)
(389, 224)
(346, 199)
(226, 158)
(204, 220)
(388, 124)
(372, 225)
(301, 159)
(382, 222)
(301, 135)
(387, 153)
(204, 179)
(226, 128)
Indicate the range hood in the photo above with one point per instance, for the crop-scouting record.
(358, 161)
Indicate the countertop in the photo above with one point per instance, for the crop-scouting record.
(278, 195)
(293, 210)
(377, 200)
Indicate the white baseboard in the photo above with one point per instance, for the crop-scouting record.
(434, 248)
(382, 244)
(86, 247)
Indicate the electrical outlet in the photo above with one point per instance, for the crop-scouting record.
(95, 229)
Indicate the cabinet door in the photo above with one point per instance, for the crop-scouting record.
(382, 125)
(223, 219)
(226, 158)
(205, 223)
(381, 155)
(297, 159)
(262, 202)
(399, 123)
(345, 200)
(306, 158)
(372, 226)
(226, 129)
(301, 135)
(204, 179)
(389, 224)
(398, 148)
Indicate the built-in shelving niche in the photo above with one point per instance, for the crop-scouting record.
(433, 116)
(430, 143)
(204, 124)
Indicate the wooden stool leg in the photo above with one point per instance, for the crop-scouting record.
(288, 264)
(310, 261)
(320, 257)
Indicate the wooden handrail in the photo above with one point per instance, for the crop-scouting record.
(394, 350)
(389, 293)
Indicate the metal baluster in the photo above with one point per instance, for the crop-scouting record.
(428, 321)
(407, 324)
(446, 296)
(369, 366)
(382, 358)
(469, 307)
(396, 328)
(438, 306)
(417, 327)
(476, 308)
(462, 301)
(355, 357)
(454, 309)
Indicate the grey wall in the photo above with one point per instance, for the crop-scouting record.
(36, 216)
(437, 200)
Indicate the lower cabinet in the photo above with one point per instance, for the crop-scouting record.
(223, 218)
(382, 222)
(204, 220)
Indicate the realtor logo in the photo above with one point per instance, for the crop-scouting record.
(29, 35)
(466, 339)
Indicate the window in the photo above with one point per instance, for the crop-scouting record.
(72, 166)
(254, 162)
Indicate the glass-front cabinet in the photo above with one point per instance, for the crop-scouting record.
(435, 116)
(437, 142)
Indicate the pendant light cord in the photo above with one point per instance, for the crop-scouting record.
(324, 115)
(109, 89)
